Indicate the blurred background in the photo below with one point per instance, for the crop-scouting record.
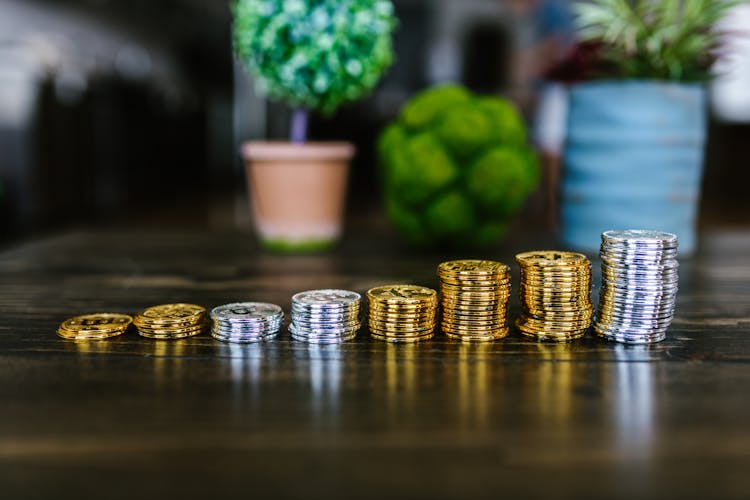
(132, 111)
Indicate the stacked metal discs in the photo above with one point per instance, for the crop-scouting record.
(402, 313)
(246, 321)
(94, 326)
(325, 316)
(474, 296)
(171, 321)
(639, 285)
(555, 295)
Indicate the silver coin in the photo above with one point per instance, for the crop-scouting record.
(337, 325)
(326, 316)
(326, 297)
(324, 340)
(301, 330)
(641, 236)
(630, 338)
(243, 338)
(637, 295)
(247, 329)
(246, 310)
(642, 320)
(325, 307)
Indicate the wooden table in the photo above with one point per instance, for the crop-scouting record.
(134, 418)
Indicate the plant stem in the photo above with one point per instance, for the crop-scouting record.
(299, 125)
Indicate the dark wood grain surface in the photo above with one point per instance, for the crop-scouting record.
(135, 418)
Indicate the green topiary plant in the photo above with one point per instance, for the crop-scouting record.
(314, 54)
(456, 167)
(653, 39)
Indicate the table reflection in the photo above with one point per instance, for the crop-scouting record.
(633, 402)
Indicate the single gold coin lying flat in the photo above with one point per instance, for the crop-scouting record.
(552, 258)
(94, 326)
(169, 314)
(402, 294)
(472, 268)
(402, 339)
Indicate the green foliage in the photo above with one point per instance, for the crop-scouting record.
(456, 167)
(654, 39)
(314, 54)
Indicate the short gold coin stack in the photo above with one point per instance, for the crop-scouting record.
(94, 326)
(171, 321)
(555, 295)
(474, 296)
(402, 313)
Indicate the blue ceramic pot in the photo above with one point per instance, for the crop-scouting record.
(633, 159)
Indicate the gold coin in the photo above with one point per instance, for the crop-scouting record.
(401, 320)
(555, 326)
(475, 310)
(456, 327)
(402, 294)
(401, 317)
(478, 337)
(496, 292)
(498, 283)
(94, 326)
(169, 334)
(531, 327)
(561, 316)
(169, 314)
(402, 307)
(551, 258)
(139, 322)
(407, 329)
(468, 302)
(472, 267)
(553, 337)
(389, 338)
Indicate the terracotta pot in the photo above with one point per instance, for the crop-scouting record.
(297, 192)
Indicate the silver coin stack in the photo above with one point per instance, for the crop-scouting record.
(325, 316)
(246, 321)
(639, 286)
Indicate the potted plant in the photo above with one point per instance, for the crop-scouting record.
(456, 167)
(634, 149)
(314, 55)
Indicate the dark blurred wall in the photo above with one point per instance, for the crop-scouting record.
(130, 107)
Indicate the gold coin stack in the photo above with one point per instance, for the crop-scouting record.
(171, 321)
(474, 296)
(554, 292)
(402, 313)
(94, 326)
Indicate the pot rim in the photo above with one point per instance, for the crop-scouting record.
(294, 152)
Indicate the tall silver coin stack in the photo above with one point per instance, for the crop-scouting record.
(325, 316)
(246, 321)
(639, 286)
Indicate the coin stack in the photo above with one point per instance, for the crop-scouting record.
(402, 313)
(246, 321)
(171, 321)
(639, 286)
(555, 295)
(325, 316)
(94, 326)
(474, 296)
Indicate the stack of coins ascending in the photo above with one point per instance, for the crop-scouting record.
(325, 316)
(402, 313)
(555, 295)
(171, 321)
(639, 285)
(94, 326)
(474, 296)
(246, 321)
